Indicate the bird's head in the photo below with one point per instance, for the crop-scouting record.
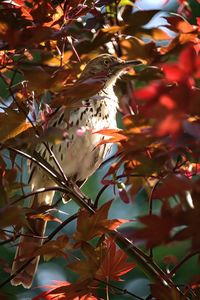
(109, 65)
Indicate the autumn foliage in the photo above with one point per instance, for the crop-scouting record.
(43, 48)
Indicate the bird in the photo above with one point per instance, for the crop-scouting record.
(78, 155)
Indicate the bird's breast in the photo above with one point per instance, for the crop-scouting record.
(80, 155)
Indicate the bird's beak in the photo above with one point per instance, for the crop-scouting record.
(127, 63)
(130, 63)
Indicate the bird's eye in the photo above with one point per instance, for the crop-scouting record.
(106, 62)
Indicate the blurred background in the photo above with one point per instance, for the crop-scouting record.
(135, 280)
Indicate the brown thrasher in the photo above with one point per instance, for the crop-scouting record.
(78, 155)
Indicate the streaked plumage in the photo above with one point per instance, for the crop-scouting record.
(78, 155)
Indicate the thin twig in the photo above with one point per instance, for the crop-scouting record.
(33, 193)
(67, 221)
(135, 175)
(123, 291)
(61, 226)
(38, 134)
(11, 239)
(96, 202)
(141, 259)
(72, 191)
(151, 209)
(102, 190)
(16, 236)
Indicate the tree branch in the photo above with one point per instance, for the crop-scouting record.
(148, 267)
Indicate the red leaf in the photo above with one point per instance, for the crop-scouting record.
(174, 73)
(171, 185)
(114, 264)
(188, 55)
(50, 295)
(157, 229)
(171, 125)
(63, 290)
(150, 92)
(181, 71)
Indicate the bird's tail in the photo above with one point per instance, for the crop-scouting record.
(30, 241)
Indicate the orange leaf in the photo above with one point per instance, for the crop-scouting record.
(12, 123)
(41, 78)
(49, 250)
(45, 217)
(89, 226)
(178, 24)
(113, 29)
(15, 215)
(114, 133)
(135, 48)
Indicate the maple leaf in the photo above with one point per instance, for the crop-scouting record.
(52, 249)
(116, 136)
(187, 33)
(135, 48)
(114, 263)
(87, 268)
(42, 78)
(45, 216)
(55, 248)
(51, 294)
(158, 228)
(181, 71)
(15, 124)
(123, 193)
(91, 225)
(82, 290)
(168, 104)
(15, 215)
(104, 262)
(179, 24)
(171, 185)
